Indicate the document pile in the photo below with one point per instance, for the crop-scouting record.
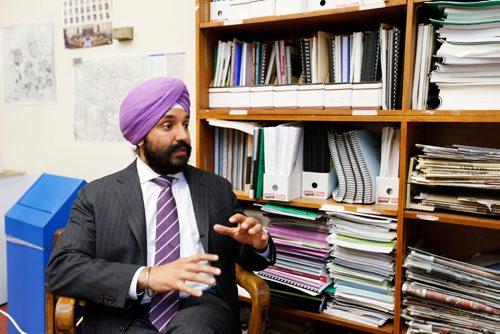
(356, 159)
(468, 70)
(299, 275)
(447, 296)
(474, 170)
(362, 267)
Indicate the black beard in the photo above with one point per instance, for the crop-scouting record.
(162, 162)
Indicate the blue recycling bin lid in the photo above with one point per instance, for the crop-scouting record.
(43, 209)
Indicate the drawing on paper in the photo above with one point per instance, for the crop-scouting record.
(27, 60)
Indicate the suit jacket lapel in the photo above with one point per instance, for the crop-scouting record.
(198, 190)
(129, 194)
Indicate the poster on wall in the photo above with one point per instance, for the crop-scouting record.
(27, 63)
(87, 23)
(101, 84)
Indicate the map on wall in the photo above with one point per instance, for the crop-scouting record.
(27, 63)
(101, 85)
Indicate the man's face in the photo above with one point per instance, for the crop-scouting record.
(166, 148)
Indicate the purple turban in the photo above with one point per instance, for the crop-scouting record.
(143, 107)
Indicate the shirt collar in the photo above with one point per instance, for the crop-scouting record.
(146, 174)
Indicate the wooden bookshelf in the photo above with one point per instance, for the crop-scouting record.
(446, 232)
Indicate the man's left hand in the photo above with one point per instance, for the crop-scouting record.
(247, 231)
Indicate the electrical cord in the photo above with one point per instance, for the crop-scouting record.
(13, 321)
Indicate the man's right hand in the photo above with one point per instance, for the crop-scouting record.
(173, 275)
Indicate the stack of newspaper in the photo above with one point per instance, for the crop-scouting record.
(447, 296)
(442, 170)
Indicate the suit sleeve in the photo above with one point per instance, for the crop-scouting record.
(74, 269)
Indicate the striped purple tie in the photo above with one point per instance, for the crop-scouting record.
(164, 305)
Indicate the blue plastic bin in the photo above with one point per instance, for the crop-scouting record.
(29, 227)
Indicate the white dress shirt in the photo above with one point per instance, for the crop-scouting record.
(189, 236)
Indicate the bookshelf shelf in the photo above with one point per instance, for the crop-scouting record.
(464, 234)
(319, 16)
(453, 218)
(301, 115)
(311, 203)
(326, 318)
(387, 328)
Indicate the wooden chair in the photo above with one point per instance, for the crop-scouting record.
(61, 310)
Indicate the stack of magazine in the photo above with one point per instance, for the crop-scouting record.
(362, 267)
(442, 295)
(299, 276)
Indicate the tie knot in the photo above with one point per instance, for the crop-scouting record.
(164, 181)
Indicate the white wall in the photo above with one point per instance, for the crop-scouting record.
(41, 138)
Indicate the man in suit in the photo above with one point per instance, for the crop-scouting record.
(111, 253)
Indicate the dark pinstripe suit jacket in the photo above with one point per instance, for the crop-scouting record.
(104, 244)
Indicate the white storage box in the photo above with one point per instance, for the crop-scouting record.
(387, 190)
(261, 97)
(312, 96)
(367, 95)
(321, 4)
(239, 97)
(219, 10)
(285, 7)
(239, 9)
(286, 97)
(218, 97)
(318, 185)
(338, 96)
(260, 8)
(341, 3)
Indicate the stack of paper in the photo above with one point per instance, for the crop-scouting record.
(476, 170)
(468, 56)
(356, 159)
(362, 267)
(389, 160)
(281, 148)
(444, 295)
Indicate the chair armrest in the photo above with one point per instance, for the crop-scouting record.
(259, 295)
(65, 321)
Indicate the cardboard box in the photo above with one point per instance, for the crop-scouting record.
(321, 5)
(312, 96)
(286, 97)
(367, 96)
(261, 97)
(338, 96)
(260, 8)
(239, 97)
(286, 7)
(239, 9)
(218, 97)
(219, 11)
(387, 190)
(318, 185)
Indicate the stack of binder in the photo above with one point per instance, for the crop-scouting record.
(302, 253)
(362, 267)
(448, 296)
(356, 159)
